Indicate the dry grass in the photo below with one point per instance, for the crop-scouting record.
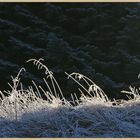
(24, 113)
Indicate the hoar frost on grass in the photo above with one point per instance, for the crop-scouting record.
(24, 113)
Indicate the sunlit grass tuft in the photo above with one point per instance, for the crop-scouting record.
(24, 113)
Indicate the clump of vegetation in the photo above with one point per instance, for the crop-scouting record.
(24, 112)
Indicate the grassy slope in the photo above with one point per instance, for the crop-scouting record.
(24, 113)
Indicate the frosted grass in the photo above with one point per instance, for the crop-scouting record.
(24, 113)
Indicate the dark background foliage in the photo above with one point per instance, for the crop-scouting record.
(99, 40)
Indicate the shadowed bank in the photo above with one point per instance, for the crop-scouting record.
(99, 40)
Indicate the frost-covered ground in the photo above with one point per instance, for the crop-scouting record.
(24, 113)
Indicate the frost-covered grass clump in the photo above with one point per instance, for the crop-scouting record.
(24, 113)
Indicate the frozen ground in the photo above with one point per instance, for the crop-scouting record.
(24, 113)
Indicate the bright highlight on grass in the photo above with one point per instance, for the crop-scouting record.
(24, 113)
